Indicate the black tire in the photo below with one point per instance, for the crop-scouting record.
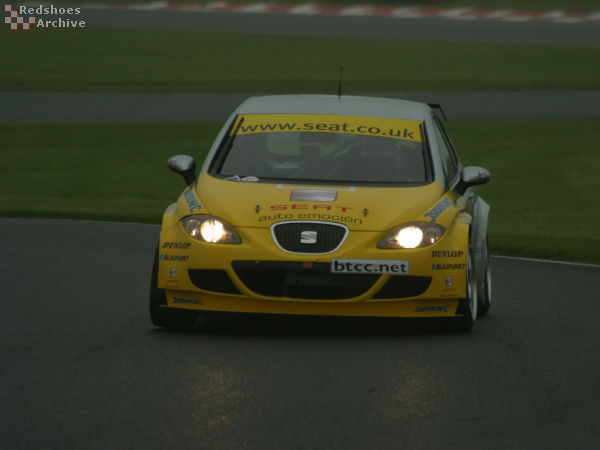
(467, 307)
(485, 297)
(159, 314)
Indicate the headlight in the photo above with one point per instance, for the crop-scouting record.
(210, 229)
(412, 235)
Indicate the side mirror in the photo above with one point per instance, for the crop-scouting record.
(472, 176)
(185, 166)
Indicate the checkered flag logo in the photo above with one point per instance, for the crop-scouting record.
(14, 20)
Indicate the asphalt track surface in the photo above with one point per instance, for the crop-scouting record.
(124, 107)
(82, 367)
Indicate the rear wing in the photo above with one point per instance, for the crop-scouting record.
(438, 111)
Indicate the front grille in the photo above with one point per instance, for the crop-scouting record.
(402, 286)
(309, 237)
(301, 280)
(213, 280)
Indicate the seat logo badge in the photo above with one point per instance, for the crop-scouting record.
(308, 237)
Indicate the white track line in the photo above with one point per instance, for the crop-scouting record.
(595, 266)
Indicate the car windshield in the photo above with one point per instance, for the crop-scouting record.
(324, 148)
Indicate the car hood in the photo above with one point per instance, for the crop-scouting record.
(253, 204)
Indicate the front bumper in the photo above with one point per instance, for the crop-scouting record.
(406, 308)
(258, 277)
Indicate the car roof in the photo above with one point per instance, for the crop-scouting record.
(332, 104)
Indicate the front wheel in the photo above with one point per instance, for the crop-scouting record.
(485, 299)
(467, 307)
(159, 314)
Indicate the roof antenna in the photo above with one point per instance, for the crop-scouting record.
(340, 83)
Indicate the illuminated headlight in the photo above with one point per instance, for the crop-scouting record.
(210, 229)
(412, 235)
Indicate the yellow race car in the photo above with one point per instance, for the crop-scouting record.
(329, 206)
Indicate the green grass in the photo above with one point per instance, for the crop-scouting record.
(538, 5)
(544, 189)
(95, 171)
(92, 60)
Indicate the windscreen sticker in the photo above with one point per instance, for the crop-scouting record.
(190, 198)
(376, 266)
(439, 209)
(177, 258)
(448, 266)
(177, 245)
(189, 301)
(442, 308)
(407, 130)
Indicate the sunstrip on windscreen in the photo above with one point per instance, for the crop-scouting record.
(369, 126)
